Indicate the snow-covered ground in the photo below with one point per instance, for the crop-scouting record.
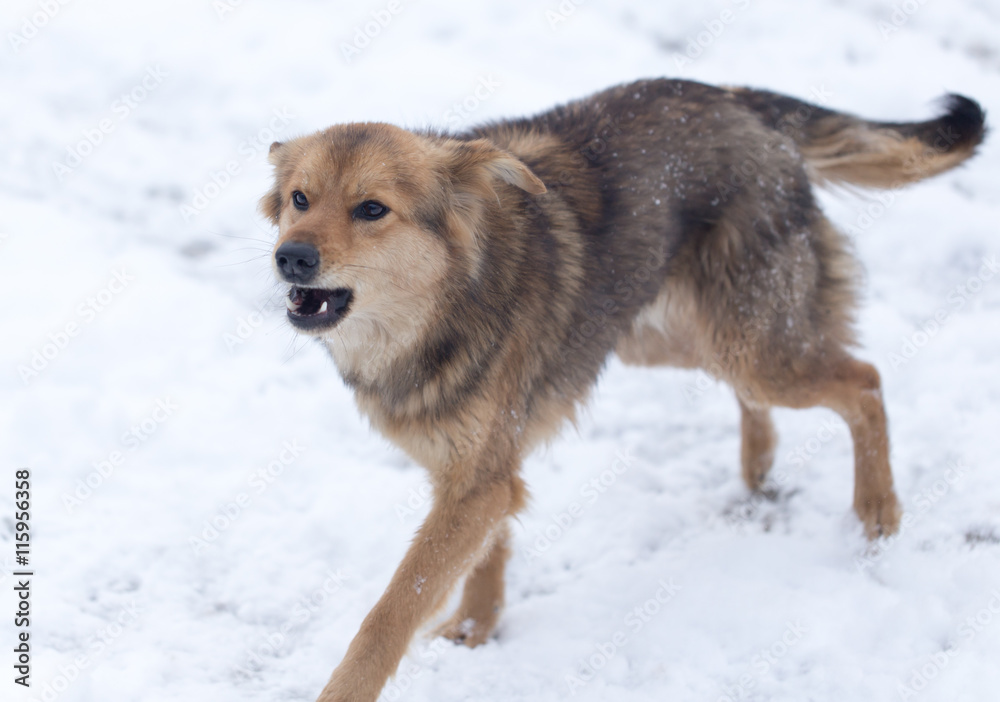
(212, 519)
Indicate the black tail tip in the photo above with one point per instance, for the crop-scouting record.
(963, 120)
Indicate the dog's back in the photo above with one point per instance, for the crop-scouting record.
(690, 219)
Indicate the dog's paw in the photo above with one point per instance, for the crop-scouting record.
(880, 516)
(467, 630)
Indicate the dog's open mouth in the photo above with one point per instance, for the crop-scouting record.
(314, 309)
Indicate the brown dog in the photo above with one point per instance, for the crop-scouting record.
(471, 287)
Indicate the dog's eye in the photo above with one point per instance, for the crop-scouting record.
(369, 209)
(300, 201)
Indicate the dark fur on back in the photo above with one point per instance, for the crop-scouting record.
(642, 176)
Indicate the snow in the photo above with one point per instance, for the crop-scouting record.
(183, 383)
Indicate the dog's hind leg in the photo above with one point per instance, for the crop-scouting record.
(482, 598)
(851, 388)
(758, 442)
(855, 392)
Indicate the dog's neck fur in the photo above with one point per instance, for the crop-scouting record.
(365, 348)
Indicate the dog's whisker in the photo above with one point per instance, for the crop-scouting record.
(241, 263)
(237, 236)
(264, 251)
(340, 336)
(295, 338)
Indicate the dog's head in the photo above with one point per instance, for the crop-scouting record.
(372, 219)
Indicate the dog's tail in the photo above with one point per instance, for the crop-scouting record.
(841, 148)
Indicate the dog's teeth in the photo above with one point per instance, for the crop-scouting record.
(292, 306)
(322, 308)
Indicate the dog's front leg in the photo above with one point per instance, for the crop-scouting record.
(453, 539)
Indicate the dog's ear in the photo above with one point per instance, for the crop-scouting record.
(274, 153)
(472, 160)
(472, 170)
(270, 204)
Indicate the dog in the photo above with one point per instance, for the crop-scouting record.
(471, 287)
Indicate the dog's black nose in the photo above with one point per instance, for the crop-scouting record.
(297, 262)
